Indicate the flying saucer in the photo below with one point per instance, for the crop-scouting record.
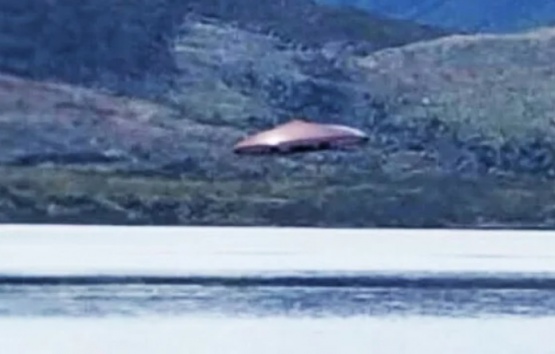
(301, 136)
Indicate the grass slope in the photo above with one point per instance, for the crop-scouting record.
(499, 85)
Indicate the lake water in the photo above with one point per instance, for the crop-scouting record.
(316, 297)
(113, 290)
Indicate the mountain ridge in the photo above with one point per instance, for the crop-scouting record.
(128, 47)
(467, 15)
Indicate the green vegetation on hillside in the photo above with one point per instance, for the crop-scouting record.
(371, 199)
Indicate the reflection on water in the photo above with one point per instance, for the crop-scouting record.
(133, 299)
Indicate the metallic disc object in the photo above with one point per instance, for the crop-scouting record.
(301, 136)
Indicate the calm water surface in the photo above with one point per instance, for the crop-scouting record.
(306, 297)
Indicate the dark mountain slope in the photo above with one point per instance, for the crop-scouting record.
(469, 15)
(127, 46)
(308, 23)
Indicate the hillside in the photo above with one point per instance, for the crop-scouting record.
(505, 81)
(150, 142)
(127, 47)
(312, 24)
(468, 15)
